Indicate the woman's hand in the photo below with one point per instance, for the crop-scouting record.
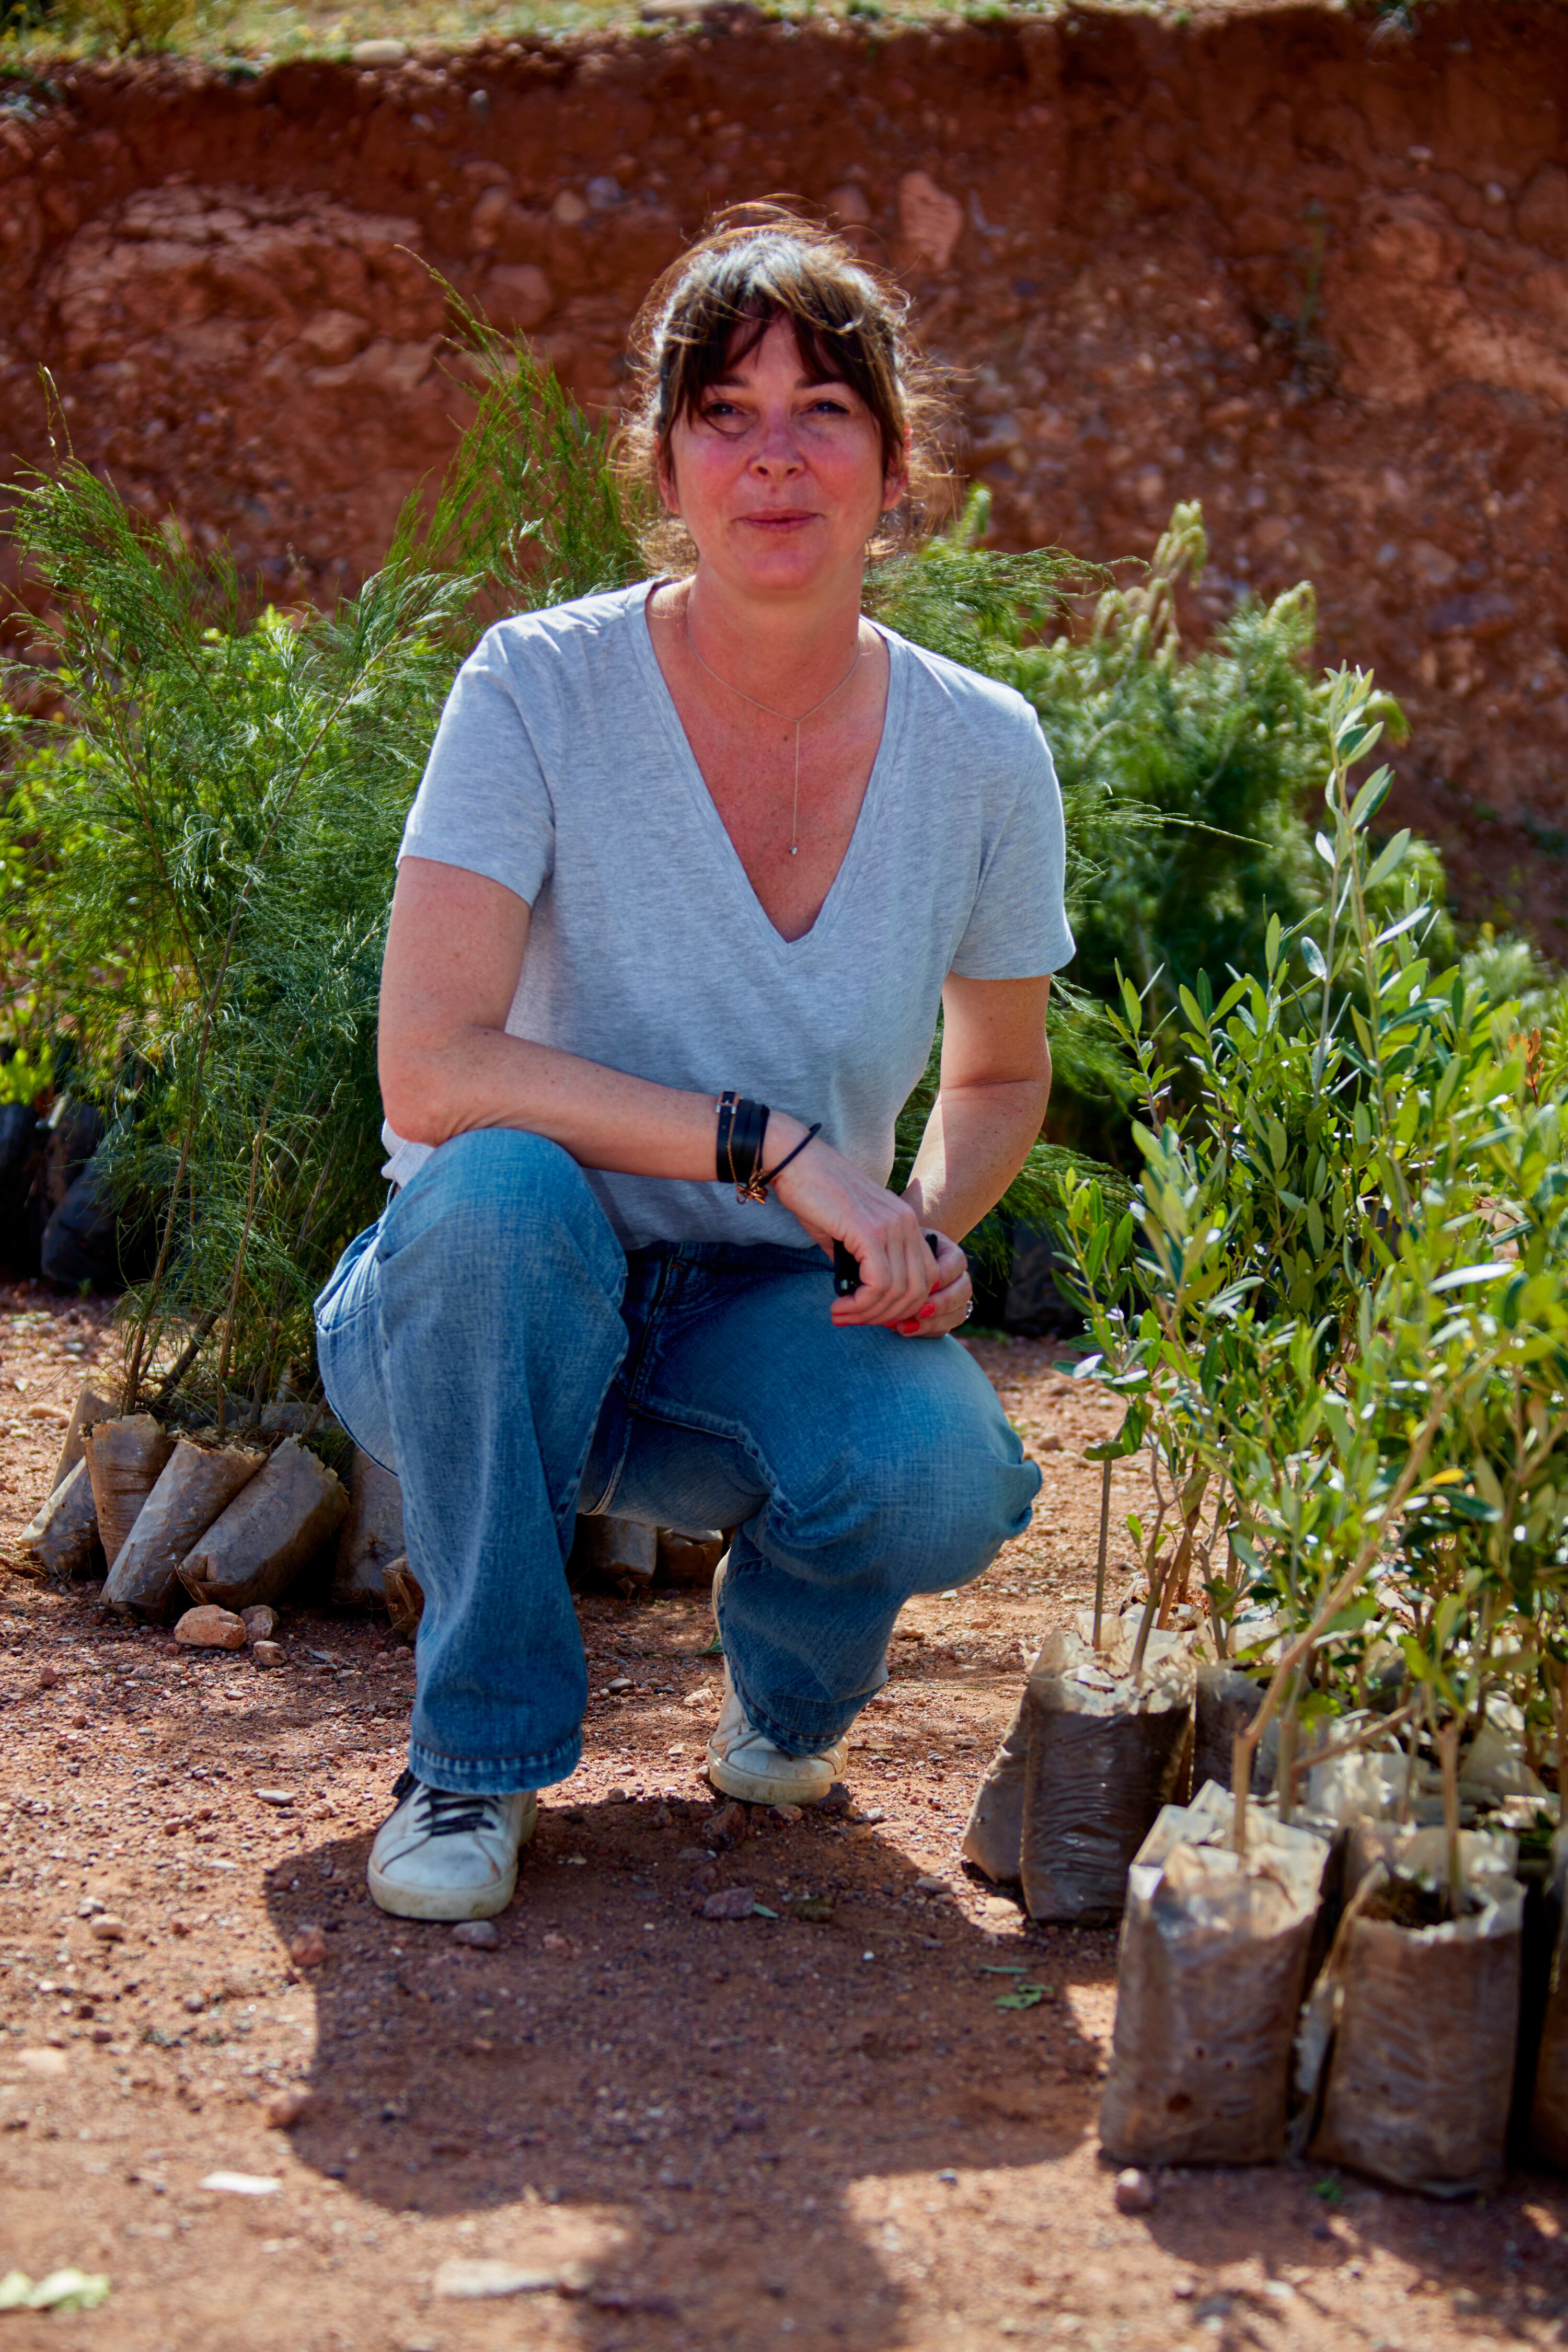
(950, 1298)
(900, 1283)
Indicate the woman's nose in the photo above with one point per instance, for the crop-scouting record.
(778, 447)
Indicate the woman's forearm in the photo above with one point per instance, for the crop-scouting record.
(482, 1077)
(976, 1140)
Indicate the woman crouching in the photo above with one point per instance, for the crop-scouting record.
(693, 868)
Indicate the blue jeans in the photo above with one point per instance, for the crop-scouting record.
(490, 1340)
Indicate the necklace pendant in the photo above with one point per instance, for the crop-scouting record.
(795, 849)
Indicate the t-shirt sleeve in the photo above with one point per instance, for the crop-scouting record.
(484, 802)
(1017, 927)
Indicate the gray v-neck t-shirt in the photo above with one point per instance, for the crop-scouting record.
(562, 770)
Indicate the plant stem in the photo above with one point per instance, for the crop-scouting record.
(1100, 1557)
(1448, 1754)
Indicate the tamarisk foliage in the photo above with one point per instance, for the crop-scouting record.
(205, 838)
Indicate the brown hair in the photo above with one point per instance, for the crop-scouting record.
(762, 263)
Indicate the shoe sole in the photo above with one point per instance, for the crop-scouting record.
(452, 1903)
(765, 1789)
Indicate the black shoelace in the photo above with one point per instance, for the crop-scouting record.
(446, 1813)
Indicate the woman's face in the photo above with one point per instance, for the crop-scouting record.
(778, 477)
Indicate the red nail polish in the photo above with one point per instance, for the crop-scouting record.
(926, 1314)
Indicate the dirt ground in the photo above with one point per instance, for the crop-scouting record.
(1307, 267)
(816, 2126)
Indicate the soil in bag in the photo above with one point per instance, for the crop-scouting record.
(1106, 1747)
(1422, 2024)
(91, 1405)
(194, 1484)
(267, 1533)
(1213, 1957)
(124, 1460)
(1226, 1701)
(63, 1539)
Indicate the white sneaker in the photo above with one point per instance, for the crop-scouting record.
(745, 1764)
(444, 1855)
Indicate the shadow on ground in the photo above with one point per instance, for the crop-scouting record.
(686, 2105)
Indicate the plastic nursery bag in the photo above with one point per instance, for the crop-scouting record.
(1106, 1749)
(1548, 2103)
(994, 1839)
(370, 1536)
(1214, 1956)
(1422, 2019)
(1226, 1702)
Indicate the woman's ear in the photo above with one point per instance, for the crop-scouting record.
(895, 486)
(666, 490)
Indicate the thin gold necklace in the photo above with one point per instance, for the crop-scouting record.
(781, 715)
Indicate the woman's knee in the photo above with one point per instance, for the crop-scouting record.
(495, 1189)
(948, 1502)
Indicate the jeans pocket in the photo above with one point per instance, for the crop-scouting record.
(348, 1349)
(343, 1272)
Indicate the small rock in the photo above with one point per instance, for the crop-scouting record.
(195, 2002)
(931, 1887)
(49, 1676)
(551, 1942)
(483, 1935)
(37, 2061)
(786, 1813)
(209, 1628)
(286, 2108)
(379, 53)
(569, 209)
(308, 1949)
(260, 1623)
(1135, 2192)
(104, 2033)
(274, 1796)
(480, 104)
(107, 1929)
(242, 2184)
(729, 1902)
(728, 1825)
(268, 1654)
(477, 2282)
(605, 193)
(1490, 615)
(90, 1907)
(1185, 2288)
(932, 220)
(519, 294)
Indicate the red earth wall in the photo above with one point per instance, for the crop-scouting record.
(1107, 222)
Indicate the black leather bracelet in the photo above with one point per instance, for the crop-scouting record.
(751, 1125)
(727, 1102)
(738, 1145)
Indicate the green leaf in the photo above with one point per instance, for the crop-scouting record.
(1390, 854)
(1462, 1276)
(1313, 956)
(1371, 797)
